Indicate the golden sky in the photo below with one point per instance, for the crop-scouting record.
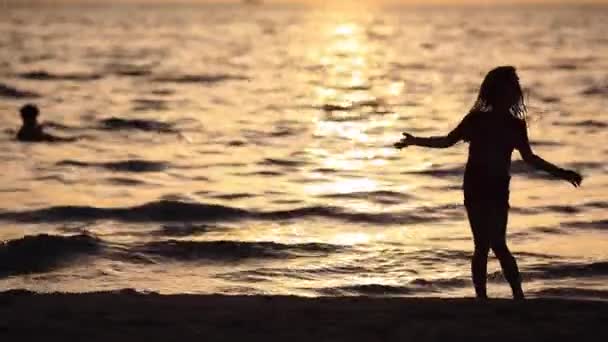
(344, 2)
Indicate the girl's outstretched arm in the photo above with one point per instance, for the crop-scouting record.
(433, 142)
(443, 141)
(531, 158)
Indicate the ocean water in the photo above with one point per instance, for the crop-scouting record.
(248, 149)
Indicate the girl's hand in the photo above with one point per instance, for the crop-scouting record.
(573, 177)
(406, 141)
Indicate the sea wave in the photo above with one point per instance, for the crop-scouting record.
(281, 162)
(123, 181)
(183, 230)
(126, 69)
(170, 210)
(114, 123)
(233, 250)
(155, 211)
(301, 273)
(441, 283)
(415, 287)
(369, 290)
(593, 224)
(233, 196)
(146, 104)
(47, 76)
(12, 92)
(559, 270)
(134, 165)
(382, 197)
(40, 253)
(595, 90)
(571, 292)
(203, 78)
(341, 214)
(583, 123)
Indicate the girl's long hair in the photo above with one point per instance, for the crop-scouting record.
(491, 92)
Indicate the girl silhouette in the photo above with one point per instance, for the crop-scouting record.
(494, 127)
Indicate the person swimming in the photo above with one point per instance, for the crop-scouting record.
(32, 131)
(494, 127)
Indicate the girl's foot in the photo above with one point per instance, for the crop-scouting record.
(481, 298)
(480, 292)
(518, 294)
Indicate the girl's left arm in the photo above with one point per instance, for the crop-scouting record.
(525, 150)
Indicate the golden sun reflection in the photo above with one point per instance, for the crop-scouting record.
(347, 29)
(350, 239)
(343, 94)
(344, 186)
(350, 131)
(395, 88)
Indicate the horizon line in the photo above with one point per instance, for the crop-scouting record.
(262, 4)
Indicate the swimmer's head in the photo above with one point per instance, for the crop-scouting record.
(29, 113)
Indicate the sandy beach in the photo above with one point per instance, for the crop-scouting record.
(129, 316)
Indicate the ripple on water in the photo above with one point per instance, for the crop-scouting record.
(571, 292)
(595, 90)
(261, 173)
(122, 181)
(561, 270)
(11, 92)
(591, 224)
(233, 196)
(382, 197)
(201, 78)
(370, 290)
(186, 230)
(47, 76)
(134, 165)
(582, 123)
(143, 104)
(126, 69)
(137, 124)
(281, 162)
(233, 250)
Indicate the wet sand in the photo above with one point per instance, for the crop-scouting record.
(129, 316)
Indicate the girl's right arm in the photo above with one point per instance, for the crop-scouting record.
(533, 159)
(433, 142)
(442, 141)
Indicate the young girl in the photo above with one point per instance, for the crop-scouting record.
(494, 127)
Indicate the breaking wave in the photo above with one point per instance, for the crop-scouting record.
(40, 253)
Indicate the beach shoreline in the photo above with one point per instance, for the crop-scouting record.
(129, 315)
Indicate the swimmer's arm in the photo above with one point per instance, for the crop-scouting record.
(55, 139)
(47, 137)
(50, 138)
(50, 124)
